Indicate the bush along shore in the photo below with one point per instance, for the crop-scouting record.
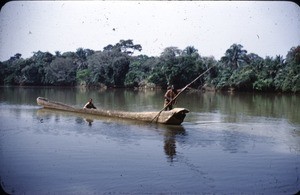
(117, 66)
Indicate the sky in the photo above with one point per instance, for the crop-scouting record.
(266, 28)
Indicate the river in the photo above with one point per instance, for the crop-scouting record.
(240, 143)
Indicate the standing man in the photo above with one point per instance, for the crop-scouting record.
(169, 97)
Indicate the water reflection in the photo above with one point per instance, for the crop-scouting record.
(170, 135)
(80, 120)
(89, 121)
(245, 104)
(233, 137)
(226, 139)
(169, 132)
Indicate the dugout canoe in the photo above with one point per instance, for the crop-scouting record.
(172, 117)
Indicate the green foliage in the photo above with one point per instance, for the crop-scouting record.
(255, 73)
(139, 69)
(108, 67)
(291, 71)
(83, 75)
(263, 84)
(32, 74)
(60, 72)
(235, 56)
(13, 71)
(3, 68)
(124, 46)
(288, 79)
(116, 66)
(242, 79)
(222, 80)
(176, 67)
(133, 78)
(120, 68)
(158, 79)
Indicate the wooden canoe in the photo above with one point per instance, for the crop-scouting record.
(172, 117)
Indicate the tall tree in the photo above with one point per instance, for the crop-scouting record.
(120, 68)
(61, 71)
(190, 50)
(81, 53)
(288, 77)
(125, 46)
(16, 56)
(234, 56)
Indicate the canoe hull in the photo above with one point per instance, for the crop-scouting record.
(172, 117)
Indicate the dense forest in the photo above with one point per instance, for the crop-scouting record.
(117, 66)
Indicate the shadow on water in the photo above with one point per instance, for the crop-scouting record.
(170, 132)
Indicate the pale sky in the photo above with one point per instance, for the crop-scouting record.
(267, 28)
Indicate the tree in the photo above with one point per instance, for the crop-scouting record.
(81, 53)
(13, 72)
(125, 46)
(61, 71)
(189, 66)
(82, 76)
(57, 54)
(169, 61)
(139, 70)
(3, 68)
(169, 54)
(288, 77)
(32, 73)
(69, 54)
(231, 68)
(96, 66)
(235, 56)
(89, 52)
(17, 56)
(43, 56)
(242, 79)
(267, 72)
(42, 60)
(209, 62)
(108, 67)
(293, 55)
(120, 69)
(177, 67)
(190, 50)
(128, 47)
(116, 66)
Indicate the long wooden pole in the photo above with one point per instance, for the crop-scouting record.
(180, 93)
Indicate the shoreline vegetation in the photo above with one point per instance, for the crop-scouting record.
(116, 66)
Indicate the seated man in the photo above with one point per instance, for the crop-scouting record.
(90, 104)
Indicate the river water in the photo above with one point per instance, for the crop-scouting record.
(240, 143)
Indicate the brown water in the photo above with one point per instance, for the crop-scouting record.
(239, 143)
